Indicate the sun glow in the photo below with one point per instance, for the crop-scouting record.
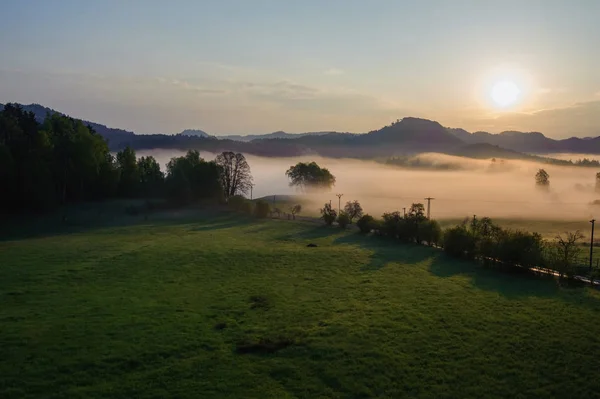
(505, 93)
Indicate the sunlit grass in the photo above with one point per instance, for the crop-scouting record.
(222, 306)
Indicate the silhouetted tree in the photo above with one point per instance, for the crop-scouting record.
(366, 223)
(564, 252)
(150, 175)
(328, 214)
(353, 210)
(309, 176)
(343, 219)
(542, 178)
(128, 168)
(296, 209)
(191, 178)
(235, 173)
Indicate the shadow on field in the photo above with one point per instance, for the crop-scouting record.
(385, 250)
(224, 222)
(92, 217)
(509, 285)
(312, 233)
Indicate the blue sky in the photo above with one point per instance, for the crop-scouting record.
(259, 66)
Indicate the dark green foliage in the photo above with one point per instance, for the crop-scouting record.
(191, 178)
(151, 178)
(390, 226)
(459, 243)
(310, 176)
(328, 214)
(129, 181)
(483, 240)
(430, 232)
(246, 207)
(262, 209)
(237, 202)
(45, 165)
(366, 223)
(64, 161)
(353, 210)
(343, 220)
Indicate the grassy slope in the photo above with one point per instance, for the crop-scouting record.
(131, 311)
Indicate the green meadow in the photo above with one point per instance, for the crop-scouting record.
(198, 304)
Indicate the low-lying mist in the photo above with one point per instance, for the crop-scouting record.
(477, 187)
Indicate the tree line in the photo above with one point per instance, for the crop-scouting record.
(477, 240)
(62, 161)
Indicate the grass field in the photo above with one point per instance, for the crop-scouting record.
(194, 305)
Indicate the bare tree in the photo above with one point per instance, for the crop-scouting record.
(353, 210)
(296, 209)
(235, 173)
(564, 253)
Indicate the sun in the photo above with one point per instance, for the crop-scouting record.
(505, 93)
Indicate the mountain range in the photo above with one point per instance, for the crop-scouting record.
(406, 136)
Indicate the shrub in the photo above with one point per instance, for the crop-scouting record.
(366, 223)
(237, 202)
(343, 220)
(430, 232)
(390, 224)
(246, 207)
(328, 214)
(459, 242)
(261, 209)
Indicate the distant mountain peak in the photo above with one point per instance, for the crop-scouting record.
(194, 133)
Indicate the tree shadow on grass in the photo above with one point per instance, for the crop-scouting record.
(310, 233)
(512, 285)
(385, 250)
(224, 222)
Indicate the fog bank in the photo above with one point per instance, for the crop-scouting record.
(480, 187)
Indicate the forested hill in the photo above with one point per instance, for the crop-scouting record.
(115, 137)
(403, 137)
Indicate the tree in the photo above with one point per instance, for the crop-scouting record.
(353, 210)
(343, 219)
(296, 209)
(328, 214)
(430, 232)
(128, 168)
(542, 178)
(416, 212)
(235, 173)
(192, 178)
(564, 253)
(366, 223)
(150, 175)
(310, 176)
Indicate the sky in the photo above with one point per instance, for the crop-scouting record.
(242, 67)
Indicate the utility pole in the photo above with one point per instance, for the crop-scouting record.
(251, 187)
(339, 202)
(592, 243)
(429, 206)
(404, 210)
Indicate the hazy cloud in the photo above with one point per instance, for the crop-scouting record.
(334, 71)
